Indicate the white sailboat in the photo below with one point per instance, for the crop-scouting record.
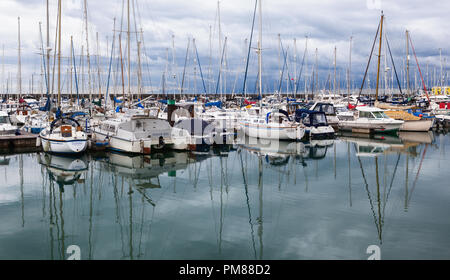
(64, 135)
(275, 124)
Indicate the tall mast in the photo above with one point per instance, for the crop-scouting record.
(349, 68)
(98, 69)
(210, 59)
(407, 62)
(87, 50)
(379, 56)
(260, 54)
(3, 69)
(59, 53)
(306, 64)
(121, 67)
(48, 50)
(334, 83)
(441, 76)
(71, 67)
(386, 69)
(139, 69)
(316, 87)
(19, 70)
(295, 67)
(129, 49)
(220, 45)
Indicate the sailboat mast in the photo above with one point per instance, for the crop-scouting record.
(59, 53)
(334, 82)
(379, 56)
(260, 54)
(19, 70)
(128, 48)
(71, 67)
(407, 62)
(87, 50)
(349, 68)
(295, 68)
(48, 49)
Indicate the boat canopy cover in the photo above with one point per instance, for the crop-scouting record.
(75, 114)
(163, 101)
(278, 111)
(193, 126)
(117, 100)
(63, 120)
(316, 118)
(218, 104)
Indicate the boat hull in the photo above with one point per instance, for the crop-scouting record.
(269, 131)
(417, 125)
(363, 127)
(64, 146)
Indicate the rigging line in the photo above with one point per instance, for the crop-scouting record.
(221, 62)
(184, 69)
(368, 63)
(420, 71)
(76, 79)
(285, 62)
(282, 70)
(393, 65)
(392, 181)
(418, 171)
(249, 47)
(368, 193)
(300, 74)
(248, 206)
(199, 65)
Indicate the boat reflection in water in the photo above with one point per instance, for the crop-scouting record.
(64, 170)
(375, 150)
(279, 152)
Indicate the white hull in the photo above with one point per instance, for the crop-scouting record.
(272, 131)
(419, 125)
(55, 142)
(140, 146)
(64, 147)
(376, 126)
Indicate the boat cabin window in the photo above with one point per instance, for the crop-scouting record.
(368, 115)
(4, 119)
(327, 109)
(318, 119)
(379, 115)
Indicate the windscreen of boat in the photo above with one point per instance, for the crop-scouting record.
(380, 115)
(318, 119)
(4, 119)
(327, 109)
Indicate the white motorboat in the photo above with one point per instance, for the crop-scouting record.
(370, 120)
(135, 134)
(315, 123)
(273, 125)
(330, 112)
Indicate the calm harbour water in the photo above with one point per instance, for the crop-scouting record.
(323, 200)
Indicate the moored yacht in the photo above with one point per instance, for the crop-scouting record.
(275, 124)
(370, 120)
(64, 136)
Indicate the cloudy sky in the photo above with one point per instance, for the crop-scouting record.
(328, 24)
